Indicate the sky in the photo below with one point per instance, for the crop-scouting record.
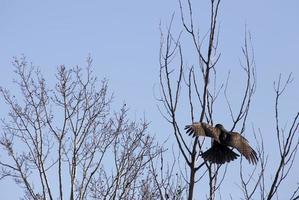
(123, 39)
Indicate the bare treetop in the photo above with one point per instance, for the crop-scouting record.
(68, 142)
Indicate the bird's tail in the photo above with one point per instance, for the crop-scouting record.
(219, 154)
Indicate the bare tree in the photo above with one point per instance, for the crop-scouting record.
(196, 87)
(67, 142)
(288, 143)
(266, 181)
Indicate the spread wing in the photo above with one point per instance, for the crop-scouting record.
(203, 129)
(241, 144)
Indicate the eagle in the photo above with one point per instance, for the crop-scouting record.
(220, 152)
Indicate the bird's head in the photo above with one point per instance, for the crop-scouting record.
(220, 126)
(224, 135)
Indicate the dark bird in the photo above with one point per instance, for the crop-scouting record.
(220, 152)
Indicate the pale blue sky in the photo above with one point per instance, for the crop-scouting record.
(123, 39)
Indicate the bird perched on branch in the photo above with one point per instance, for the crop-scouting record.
(220, 152)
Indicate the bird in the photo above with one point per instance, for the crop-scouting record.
(220, 152)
